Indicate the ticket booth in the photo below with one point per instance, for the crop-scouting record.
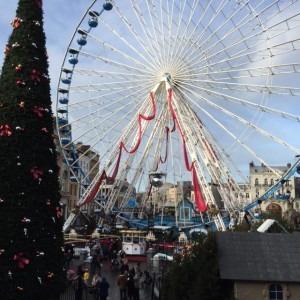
(134, 242)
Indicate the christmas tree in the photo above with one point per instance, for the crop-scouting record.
(31, 239)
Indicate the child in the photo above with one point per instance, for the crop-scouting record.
(86, 275)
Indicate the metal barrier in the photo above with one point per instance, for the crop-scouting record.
(76, 292)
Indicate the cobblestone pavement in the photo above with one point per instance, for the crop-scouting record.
(111, 277)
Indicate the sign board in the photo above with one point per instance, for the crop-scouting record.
(132, 209)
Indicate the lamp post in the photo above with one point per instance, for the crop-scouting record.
(95, 234)
(113, 222)
(156, 181)
(73, 234)
(182, 239)
(150, 218)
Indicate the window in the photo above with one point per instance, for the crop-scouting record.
(266, 181)
(135, 240)
(275, 292)
(256, 181)
(127, 239)
(184, 213)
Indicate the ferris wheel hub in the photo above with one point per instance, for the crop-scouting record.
(167, 76)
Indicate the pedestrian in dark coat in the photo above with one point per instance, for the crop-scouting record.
(78, 283)
(103, 288)
(130, 286)
(124, 267)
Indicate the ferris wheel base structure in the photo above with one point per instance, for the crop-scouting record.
(197, 224)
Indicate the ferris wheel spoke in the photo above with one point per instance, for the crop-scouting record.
(153, 54)
(115, 86)
(237, 26)
(255, 106)
(190, 50)
(171, 24)
(255, 88)
(130, 46)
(197, 26)
(108, 75)
(245, 122)
(248, 72)
(220, 173)
(241, 143)
(104, 122)
(275, 51)
(155, 134)
(287, 26)
(150, 31)
(123, 66)
(189, 53)
(250, 58)
(113, 111)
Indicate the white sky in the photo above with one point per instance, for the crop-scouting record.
(60, 21)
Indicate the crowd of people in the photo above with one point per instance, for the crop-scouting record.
(129, 281)
(98, 285)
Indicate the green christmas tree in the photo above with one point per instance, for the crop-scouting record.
(31, 239)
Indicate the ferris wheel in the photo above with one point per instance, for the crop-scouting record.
(194, 90)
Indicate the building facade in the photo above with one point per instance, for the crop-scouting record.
(261, 179)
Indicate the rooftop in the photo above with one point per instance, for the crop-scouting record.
(255, 256)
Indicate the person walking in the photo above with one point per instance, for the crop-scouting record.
(69, 254)
(124, 267)
(103, 289)
(95, 285)
(122, 284)
(96, 279)
(137, 280)
(130, 285)
(78, 283)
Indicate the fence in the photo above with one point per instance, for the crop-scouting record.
(76, 291)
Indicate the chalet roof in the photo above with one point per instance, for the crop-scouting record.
(255, 256)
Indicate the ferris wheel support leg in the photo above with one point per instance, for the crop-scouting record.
(220, 225)
(69, 221)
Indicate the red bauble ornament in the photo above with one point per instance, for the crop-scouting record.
(20, 83)
(36, 173)
(21, 261)
(19, 68)
(4, 130)
(6, 50)
(59, 213)
(15, 23)
(35, 75)
(38, 111)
